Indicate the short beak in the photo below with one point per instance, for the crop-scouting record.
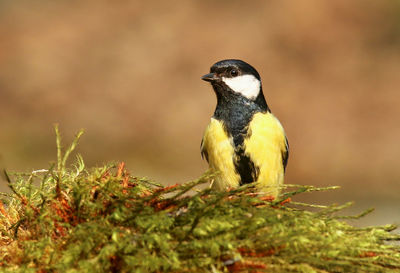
(210, 77)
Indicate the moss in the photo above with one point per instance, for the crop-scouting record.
(105, 220)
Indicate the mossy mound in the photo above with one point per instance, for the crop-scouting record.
(105, 220)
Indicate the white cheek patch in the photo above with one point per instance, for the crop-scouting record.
(246, 85)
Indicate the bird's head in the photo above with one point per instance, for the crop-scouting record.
(234, 77)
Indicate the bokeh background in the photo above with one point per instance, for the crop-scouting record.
(129, 73)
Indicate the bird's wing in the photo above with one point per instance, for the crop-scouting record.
(203, 151)
(285, 154)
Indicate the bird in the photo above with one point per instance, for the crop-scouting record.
(244, 142)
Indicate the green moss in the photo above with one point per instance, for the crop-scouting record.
(106, 220)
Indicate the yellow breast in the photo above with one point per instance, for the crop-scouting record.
(220, 153)
(264, 145)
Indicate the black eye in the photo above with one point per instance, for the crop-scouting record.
(234, 72)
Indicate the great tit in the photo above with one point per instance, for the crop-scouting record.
(244, 142)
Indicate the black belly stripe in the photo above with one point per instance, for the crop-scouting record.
(245, 168)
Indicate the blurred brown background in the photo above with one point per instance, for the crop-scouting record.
(129, 73)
